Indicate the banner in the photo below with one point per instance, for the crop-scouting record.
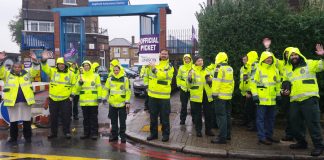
(149, 49)
(107, 2)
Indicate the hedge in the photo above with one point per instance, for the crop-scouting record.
(238, 26)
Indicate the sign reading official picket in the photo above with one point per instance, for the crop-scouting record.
(149, 49)
(107, 2)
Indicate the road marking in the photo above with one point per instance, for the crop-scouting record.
(16, 156)
(146, 128)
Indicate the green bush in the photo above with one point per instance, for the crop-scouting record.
(238, 26)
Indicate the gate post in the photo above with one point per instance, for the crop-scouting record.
(163, 28)
(57, 22)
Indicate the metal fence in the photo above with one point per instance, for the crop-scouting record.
(37, 40)
(181, 41)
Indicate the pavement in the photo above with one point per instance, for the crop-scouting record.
(183, 138)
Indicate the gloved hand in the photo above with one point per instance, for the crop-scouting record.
(256, 99)
(99, 100)
(278, 100)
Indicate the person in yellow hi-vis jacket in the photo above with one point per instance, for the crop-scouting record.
(199, 84)
(60, 94)
(159, 90)
(265, 89)
(304, 108)
(222, 89)
(18, 96)
(182, 83)
(89, 87)
(246, 76)
(117, 89)
(73, 67)
(95, 67)
(144, 76)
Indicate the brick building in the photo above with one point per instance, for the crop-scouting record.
(38, 30)
(123, 50)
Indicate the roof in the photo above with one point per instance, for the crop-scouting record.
(119, 42)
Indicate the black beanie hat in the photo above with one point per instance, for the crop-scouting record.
(196, 58)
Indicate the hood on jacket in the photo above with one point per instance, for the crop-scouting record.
(114, 62)
(120, 74)
(252, 57)
(86, 62)
(184, 63)
(62, 61)
(297, 51)
(265, 55)
(284, 52)
(221, 57)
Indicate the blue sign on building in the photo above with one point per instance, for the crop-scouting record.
(107, 2)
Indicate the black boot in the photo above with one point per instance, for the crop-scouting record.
(219, 141)
(151, 137)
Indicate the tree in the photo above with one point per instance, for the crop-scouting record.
(16, 26)
(238, 26)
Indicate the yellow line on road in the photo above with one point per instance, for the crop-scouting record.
(11, 156)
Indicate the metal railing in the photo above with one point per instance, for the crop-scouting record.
(37, 40)
(181, 41)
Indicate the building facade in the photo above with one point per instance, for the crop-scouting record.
(123, 50)
(38, 30)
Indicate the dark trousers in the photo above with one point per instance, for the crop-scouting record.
(250, 112)
(223, 115)
(184, 98)
(90, 120)
(160, 107)
(306, 112)
(285, 105)
(197, 109)
(27, 131)
(115, 114)
(265, 121)
(75, 105)
(63, 110)
(146, 102)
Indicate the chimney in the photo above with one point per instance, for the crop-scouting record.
(133, 40)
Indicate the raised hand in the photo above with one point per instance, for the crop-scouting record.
(46, 55)
(2, 55)
(319, 50)
(32, 55)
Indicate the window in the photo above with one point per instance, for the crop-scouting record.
(116, 52)
(39, 26)
(34, 26)
(69, 2)
(72, 28)
(125, 51)
(44, 27)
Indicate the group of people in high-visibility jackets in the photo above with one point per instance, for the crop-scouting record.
(267, 82)
(68, 85)
(290, 84)
(209, 90)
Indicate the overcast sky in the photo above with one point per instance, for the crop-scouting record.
(182, 17)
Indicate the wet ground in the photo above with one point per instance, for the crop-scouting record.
(75, 148)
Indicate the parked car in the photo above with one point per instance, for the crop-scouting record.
(135, 69)
(140, 89)
(130, 73)
(103, 73)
